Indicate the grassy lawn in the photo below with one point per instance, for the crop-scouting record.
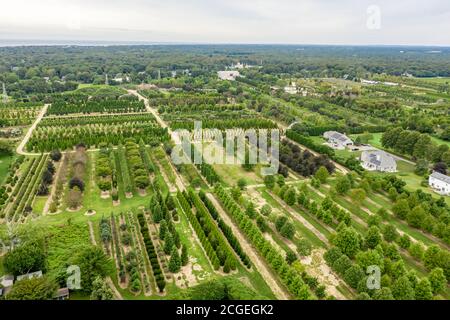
(2, 270)
(4, 164)
(440, 141)
(39, 203)
(440, 80)
(232, 173)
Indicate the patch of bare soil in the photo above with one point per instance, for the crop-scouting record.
(316, 266)
(104, 194)
(90, 213)
(91, 233)
(186, 277)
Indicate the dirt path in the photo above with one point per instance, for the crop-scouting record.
(54, 186)
(27, 136)
(172, 188)
(116, 292)
(261, 267)
(300, 219)
(91, 233)
(151, 110)
(178, 181)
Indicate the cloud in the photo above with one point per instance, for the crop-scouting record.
(228, 21)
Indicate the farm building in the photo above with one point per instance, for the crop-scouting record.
(337, 140)
(378, 160)
(440, 183)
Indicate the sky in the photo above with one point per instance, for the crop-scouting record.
(358, 22)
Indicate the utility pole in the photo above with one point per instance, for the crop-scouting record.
(106, 80)
(159, 74)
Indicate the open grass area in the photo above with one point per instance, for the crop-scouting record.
(232, 173)
(5, 161)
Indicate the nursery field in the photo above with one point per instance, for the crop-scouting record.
(90, 180)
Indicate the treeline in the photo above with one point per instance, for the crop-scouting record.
(63, 134)
(222, 124)
(320, 130)
(226, 230)
(303, 162)
(419, 209)
(200, 107)
(418, 146)
(103, 106)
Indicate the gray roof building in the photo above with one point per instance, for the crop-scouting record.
(378, 160)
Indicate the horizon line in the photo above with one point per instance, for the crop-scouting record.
(87, 43)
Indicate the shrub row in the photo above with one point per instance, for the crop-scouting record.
(156, 268)
(288, 274)
(226, 230)
(205, 241)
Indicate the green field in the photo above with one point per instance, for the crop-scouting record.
(5, 161)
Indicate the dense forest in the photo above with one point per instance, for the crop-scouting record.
(37, 70)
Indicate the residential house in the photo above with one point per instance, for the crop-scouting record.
(378, 160)
(338, 140)
(440, 183)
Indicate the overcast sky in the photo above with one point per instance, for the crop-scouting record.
(412, 22)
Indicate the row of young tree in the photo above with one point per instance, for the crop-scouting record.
(289, 276)
(223, 124)
(65, 137)
(151, 252)
(91, 106)
(11, 178)
(352, 257)
(23, 194)
(226, 230)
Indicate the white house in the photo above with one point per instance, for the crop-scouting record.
(378, 160)
(337, 140)
(228, 75)
(440, 183)
(291, 89)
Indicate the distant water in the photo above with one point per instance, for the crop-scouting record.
(19, 43)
